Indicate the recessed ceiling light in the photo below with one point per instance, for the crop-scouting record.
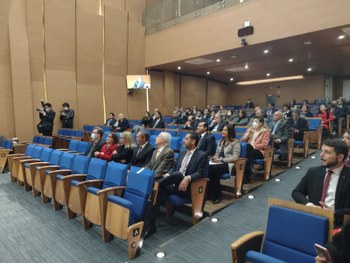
(208, 72)
(241, 1)
(313, 157)
(297, 167)
(160, 254)
(291, 59)
(341, 37)
(307, 43)
(268, 74)
(309, 69)
(246, 66)
(231, 79)
(179, 68)
(266, 51)
(218, 60)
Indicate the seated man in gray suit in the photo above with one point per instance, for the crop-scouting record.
(163, 156)
(281, 130)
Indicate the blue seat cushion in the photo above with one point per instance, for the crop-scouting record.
(177, 200)
(47, 171)
(93, 190)
(74, 182)
(59, 176)
(256, 257)
(258, 161)
(225, 176)
(298, 142)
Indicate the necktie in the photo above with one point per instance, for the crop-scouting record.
(185, 163)
(158, 153)
(139, 150)
(325, 186)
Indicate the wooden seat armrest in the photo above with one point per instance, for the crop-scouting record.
(91, 183)
(71, 151)
(72, 177)
(21, 157)
(62, 149)
(62, 172)
(38, 163)
(26, 142)
(29, 160)
(116, 190)
(250, 241)
(48, 167)
(16, 155)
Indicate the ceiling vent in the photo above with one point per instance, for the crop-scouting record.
(198, 61)
(235, 69)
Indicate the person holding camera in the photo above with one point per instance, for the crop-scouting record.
(47, 116)
(66, 116)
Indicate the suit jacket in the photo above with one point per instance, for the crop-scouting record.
(95, 148)
(310, 190)
(110, 122)
(123, 154)
(341, 111)
(159, 125)
(261, 140)
(220, 127)
(269, 112)
(144, 157)
(47, 120)
(232, 152)
(207, 144)
(123, 125)
(283, 131)
(107, 151)
(301, 125)
(196, 168)
(164, 162)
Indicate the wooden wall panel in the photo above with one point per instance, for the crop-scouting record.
(171, 97)
(136, 47)
(217, 93)
(89, 6)
(136, 9)
(89, 68)
(115, 59)
(118, 4)
(156, 93)
(60, 56)
(193, 91)
(308, 88)
(20, 70)
(6, 99)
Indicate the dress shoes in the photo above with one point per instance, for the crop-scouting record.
(282, 158)
(149, 231)
(216, 201)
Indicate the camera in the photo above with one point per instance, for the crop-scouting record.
(38, 109)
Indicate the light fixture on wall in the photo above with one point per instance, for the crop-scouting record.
(260, 81)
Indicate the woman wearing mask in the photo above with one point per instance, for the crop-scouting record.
(258, 138)
(125, 150)
(108, 148)
(227, 151)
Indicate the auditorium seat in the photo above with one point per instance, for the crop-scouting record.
(315, 129)
(266, 162)
(124, 214)
(83, 147)
(15, 157)
(5, 150)
(74, 186)
(59, 196)
(156, 132)
(97, 192)
(291, 233)
(304, 143)
(73, 146)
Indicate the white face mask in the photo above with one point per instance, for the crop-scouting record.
(255, 125)
(229, 114)
(65, 108)
(93, 136)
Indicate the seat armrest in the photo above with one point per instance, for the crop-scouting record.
(16, 155)
(250, 241)
(72, 177)
(48, 167)
(29, 160)
(116, 190)
(91, 183)
(63, 172)
(38, 163)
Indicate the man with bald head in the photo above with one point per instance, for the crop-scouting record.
(281, 130)
(121, 124)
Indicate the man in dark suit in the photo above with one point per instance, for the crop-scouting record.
(97, 142)
(121, 124)
(270, 110)
(143, 153)
(327, 186)
(189, 125)
(281, 131)
(300, 125)
(191, 165)
(47, 116)
(163, 156)
(206, 141)
(158, 122)
(111, 120)
(249, 104)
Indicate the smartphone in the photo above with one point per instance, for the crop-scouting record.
(323, 252)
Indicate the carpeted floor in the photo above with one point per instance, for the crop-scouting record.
(33, 232)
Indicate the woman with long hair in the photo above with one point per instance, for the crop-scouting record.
(125, 149)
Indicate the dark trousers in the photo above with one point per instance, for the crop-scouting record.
(215, 172)
(251, 155)
(283, 146)
(47, 133)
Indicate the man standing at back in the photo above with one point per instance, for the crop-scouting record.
(327, 186)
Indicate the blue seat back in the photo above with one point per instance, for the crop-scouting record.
(36, 139)
(60, 132)
(79, 133)
(55, 157)
(171, 126)
(48, 141)
(29, 150)
(217, 136)
(67, 160)
(116, 174)
(80, 164)
(314, 123)
(3, 143)
(9, 144)
(37, 151)
(157, 132)
(97, 169)
(152, 140)
(291, 235)
(175, 143)
(41, 140)
(83, 147)
(243, 153)
(46, 154)
(183, 133)
(73, 145)
(240, 131)
(138, 187)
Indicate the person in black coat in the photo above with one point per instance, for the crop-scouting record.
(111, 120)
(125, 150)
(207, 141)
(337, 194)
(47, 116)
(122, 124)
(97, 142)
(143, 153)
(300, 125)
(158, 122)
(66, 116)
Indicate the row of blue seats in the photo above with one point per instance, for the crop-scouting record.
(70, 132)
(7, 144)
(42, 140)
(80, 147)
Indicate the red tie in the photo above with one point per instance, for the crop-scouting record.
(347, 162)
(325, 186)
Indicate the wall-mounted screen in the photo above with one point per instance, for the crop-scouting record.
(138, 81)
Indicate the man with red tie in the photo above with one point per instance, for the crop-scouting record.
(327, 186)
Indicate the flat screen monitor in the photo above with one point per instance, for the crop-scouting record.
(138, 81)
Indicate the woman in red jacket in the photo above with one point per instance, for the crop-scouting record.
(108, 148)
(326, 116)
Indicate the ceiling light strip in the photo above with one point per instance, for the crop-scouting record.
(260, 81)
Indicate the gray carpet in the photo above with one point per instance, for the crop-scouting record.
(33, 232)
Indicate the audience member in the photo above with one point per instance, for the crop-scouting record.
(206, 140)
(326, 117)
(341, 110)
(158, 122)
(143, 153)
(125, 150)
(346, 139)
(108, 148)
(217, 124)
(258, 138)
(304, 102)
(121, 124)
(146, 120)
(163, 156)
(206, 116)
(182, 116)
(66, 116)
(175, 120)
(154, 113)
(281, 131)
(47, 116)
(305, 112)
(268, 113)
(242, 118)
(97, 142)
(287, 113)
(249, 104)
(194, 110)
(198, 118)
(222, 112)
(227, 151)
(327, 186)
(189, 125)
(299, 125)
(111, 120)
(293, 105)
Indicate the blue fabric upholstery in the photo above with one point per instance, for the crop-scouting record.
(97, 169)
(80, 164)
(177, 200)
(116, 174)
(41, 140)
(298, 143)
(175, 143)
(83, 147)
(48, 141)
(157, 132)
(46, 154)
(59, 176)
(93, 190)
(9, 144)
(67, 160)
(256, 257)
(73, 145)
(314, 124)
(152, 140)
(37, 152)
(74, 182)
(55, 157)
(29, 150)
